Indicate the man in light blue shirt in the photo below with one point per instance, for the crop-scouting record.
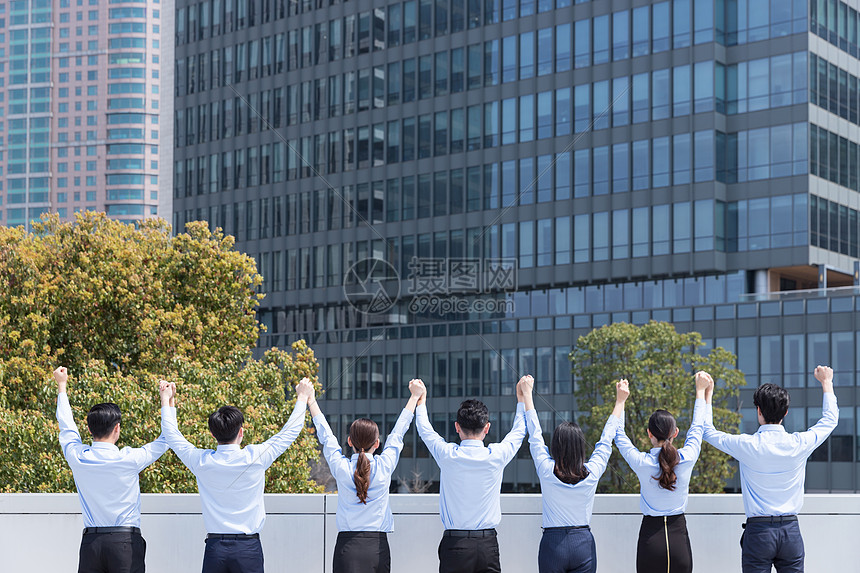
(231, 479)
(108, 485)
(772, 471)
(470, 484)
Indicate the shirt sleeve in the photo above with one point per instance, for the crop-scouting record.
(70, 438)
(184, 449)
(693, 443)
(509, 446)
(540, 453)
(331, 447)
(437, 445)
(631, 454)
(727, 443)
(146, 455)
(390, 455)
(272, 448)
(815, 436)
(603, 448)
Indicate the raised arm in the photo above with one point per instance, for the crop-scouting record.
(435, 443)
(70, 438)
(815, 436)
(628, 451)
(390, 454)
(511, 443)
(693, 442)
(185, 450)
(332, 451)
(540, 453)
(272, 448)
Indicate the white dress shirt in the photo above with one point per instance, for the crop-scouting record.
(470, 473)
(565, 504)
(653, 499)
(352, 515)
(231, 479)
(772, 461)
(106, 477)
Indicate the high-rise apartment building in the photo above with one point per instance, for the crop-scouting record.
(530, 170)
(80, 84)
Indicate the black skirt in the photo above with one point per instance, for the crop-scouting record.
(664, 545)
(361, 552)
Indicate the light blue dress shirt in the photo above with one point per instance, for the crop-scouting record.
(352, 515)
(565, 504)
(653, 499)
(231, 479)
(772, 461)
(470, 473)
(106, 477)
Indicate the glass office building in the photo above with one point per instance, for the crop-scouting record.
(693, 162)
(79, 109)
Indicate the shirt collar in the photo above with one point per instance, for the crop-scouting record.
(355, 456)
(105, 446)
(227, 447)
(771, 428)
(472, 443)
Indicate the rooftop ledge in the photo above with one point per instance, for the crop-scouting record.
(300, 532)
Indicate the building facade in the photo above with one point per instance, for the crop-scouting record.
(80, 83)
(524, 171)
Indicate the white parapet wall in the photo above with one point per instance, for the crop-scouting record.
(40, 533)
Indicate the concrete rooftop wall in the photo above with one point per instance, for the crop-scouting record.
(41, 532)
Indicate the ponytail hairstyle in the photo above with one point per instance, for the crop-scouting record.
(662, 426)
(568, 450)
(363, 434)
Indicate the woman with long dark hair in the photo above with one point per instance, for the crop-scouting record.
(664, 481)
(568, 481)
(363, 480)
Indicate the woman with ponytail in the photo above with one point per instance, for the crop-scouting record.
(664, 481)
(363, 480)
(568, 482)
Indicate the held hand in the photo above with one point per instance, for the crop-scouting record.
(416, 389)
(703, 381)
(525, 387)
(419, 384)
(622, 391)
(61, 376)
(823, 374)
(305, 391)
(167, 391)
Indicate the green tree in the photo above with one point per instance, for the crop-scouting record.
(659, 363)
(122, 307)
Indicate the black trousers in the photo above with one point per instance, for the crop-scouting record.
(233, 556)
(469, 552)
(567, 550)
(779, 544)
(362, 552)
(121, 552)
(664, 545)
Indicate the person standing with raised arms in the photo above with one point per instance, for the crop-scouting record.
(470, 484)
(108, 484)
(772, 470)
(664, 474)
(568, 483)
(231, 479)
(364, 517)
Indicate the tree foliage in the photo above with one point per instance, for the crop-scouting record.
(659, 364)
(123, 307)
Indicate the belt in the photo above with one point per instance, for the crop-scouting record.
(118, 529)
(567, 527)
(232, 536)
(772, 519)
(469, 533)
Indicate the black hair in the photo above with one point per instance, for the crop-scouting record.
(225, 423)
(102, 419)
(568, 450)
(363, 433)
(662, 427)
(773, 402)
(472, 416)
